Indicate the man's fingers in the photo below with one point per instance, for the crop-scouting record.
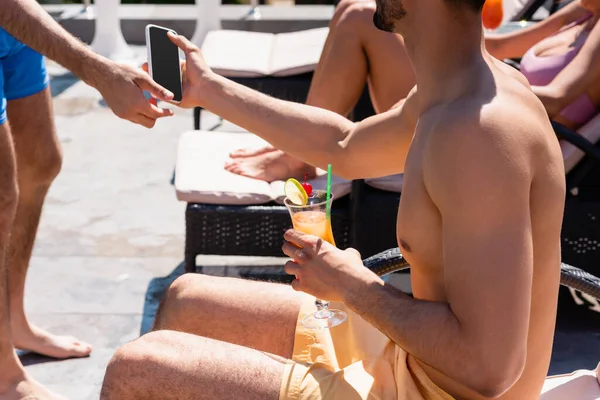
(297, 285)
(150, 110)
(182, 66)
(141, 119)
(294, 252)
(299, 239)
(154, 112)
(145, 67)
(354, 251)
(182, 42)
(146, 83)
(292, 268)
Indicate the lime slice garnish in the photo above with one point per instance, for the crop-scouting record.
(295, 192)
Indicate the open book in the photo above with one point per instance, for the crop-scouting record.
(201, 177)
(254, 54)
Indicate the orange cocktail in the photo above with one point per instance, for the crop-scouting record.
(312, 219)
(314, 223)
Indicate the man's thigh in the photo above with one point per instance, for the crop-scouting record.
(37, 147)
(254, 314)
(29, 106)
(175, 365)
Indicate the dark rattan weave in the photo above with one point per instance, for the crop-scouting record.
(247, 230)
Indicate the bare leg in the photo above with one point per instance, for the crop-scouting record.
(258, 315)
(15, 384)
(173, 365)
(38, 162)
(355, 51)
(316, 97)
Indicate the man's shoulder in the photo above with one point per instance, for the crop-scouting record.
(505, 129)
(509, 116)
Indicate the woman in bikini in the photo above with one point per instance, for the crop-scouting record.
(560, 58)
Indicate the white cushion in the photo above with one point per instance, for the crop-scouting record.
(235, 53)
(579, 385)
(201, 178)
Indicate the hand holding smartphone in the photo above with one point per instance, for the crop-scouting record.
(164, 65)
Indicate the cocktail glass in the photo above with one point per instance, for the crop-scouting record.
(312, 220)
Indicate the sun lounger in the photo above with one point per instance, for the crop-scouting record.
(235, 215)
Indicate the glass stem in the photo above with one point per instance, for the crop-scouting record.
(322, 309)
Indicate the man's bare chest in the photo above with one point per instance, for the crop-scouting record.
(419, 225)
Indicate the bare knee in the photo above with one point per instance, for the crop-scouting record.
(176, 304)
(40, 167)
(131, 372)
(121, 378)
(354, 14)
(185, 288)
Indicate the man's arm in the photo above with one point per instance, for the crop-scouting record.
(374, 147)
(120, 85)
(371, 148)
(29, 23)
(477, 336)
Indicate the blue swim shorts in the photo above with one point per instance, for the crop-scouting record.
(22, 71)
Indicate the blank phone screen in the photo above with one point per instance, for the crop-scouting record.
(165, 61)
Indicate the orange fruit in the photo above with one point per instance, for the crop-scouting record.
(492, 14)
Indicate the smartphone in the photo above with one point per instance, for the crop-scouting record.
(163, 60)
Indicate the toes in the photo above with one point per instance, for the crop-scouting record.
(79, 348)
(252, 173)
(229, 164)
(55, 346)
(237, 168)
(246, 153)
(81, 351)
(238, 153)
(243, 153)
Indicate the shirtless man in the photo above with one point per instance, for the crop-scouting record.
(479, 221)
(30, 159)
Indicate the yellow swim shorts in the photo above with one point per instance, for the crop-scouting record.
(353, 361)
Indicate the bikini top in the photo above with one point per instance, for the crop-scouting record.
(541, 71)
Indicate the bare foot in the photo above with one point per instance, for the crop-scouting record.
(252, 152)
(39, 341)
(270, 166)
(27, 388)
